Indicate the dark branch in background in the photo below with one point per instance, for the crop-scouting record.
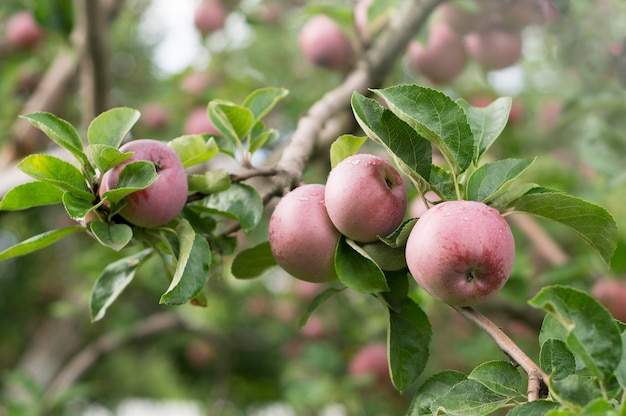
(537, 379)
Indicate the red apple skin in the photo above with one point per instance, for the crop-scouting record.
(324, 44)
(22, 31)
(365, 197)
(495, 48)
(165, 198)
(612, 294)
(210, 16)
(301, 236)
(461, 252)
(198, 122)
(443, 59)
(371, 360)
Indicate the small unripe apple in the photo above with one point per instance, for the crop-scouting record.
(494, 48)
(324, 43)
(612, 294)
(371, 361)
(365, 197)
(461, 252)
(198, 122)
(210, 16)
(22, 30)
(301, 236)
(444, 57)
(165, 198)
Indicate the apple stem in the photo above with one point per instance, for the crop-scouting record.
(537, 379)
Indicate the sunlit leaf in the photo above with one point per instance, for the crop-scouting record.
(491, 179)
(38, 242)
(486, 122)
(112, 126)
(262, 101)
(344, 146)
(106, 157)
(115, 236)
(29, 195)
(253, 261)
(57, 172)
(241, 202)
(194, 148)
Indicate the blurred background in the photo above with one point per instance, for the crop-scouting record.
(563, 62)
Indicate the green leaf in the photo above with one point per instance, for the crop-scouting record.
(319, 299)
(590, 221)
(133, 177)
(192, 267)
(260, 136)
(112, 281)
(106, 157)
(233, 121)
(77, 208)
(469, 398)
(115, 236)
(253, 261)
(592, 333)
(412, 153)
(212, 181)
(556, 359)
(386, 257)
(620, 372)
(401, 234)
(262, 101)
(508, 196)
(551, 328)
(501, 377)
(442, 182)
(486, 122)
(534, 408)
(437, 118)
(357, 270)
(57, 172)
(241, 202)
(29, 195)
(574, 391)
(345, 146)
(112, 126)
(409, 338)
(61, 132)
(435, 386)
(38, 242)
(491, 179)
(599, 406)
(194, 148)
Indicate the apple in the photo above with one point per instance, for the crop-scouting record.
(442, 59)
(457, 17)
(612, 294)
(195, 82)
(163, 200)
(198, 122)
(371, 361)
(209, 16)
(22, 31)
(314, 328)
(365, 197)
(155, 116)
(461, 252)
(302, 238)
(494, 48)
(324, 44)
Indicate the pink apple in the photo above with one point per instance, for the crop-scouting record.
(442, 59)
(301, 236)
(198, 122)
(210, 16)
(22, 30)
(365, 197)
(494, 48)
(164, 199)
(371, 361)
(155, 116)
(324, 44)
(612, 294)
(461, 252)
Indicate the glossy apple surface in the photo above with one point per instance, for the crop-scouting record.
(365, 197)
(163, 200)
(301, 236)
(461, 252)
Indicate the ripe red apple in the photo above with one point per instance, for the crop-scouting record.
(198, 122)
(365, 197)
(461, 252)
(301, 236)
(444, 57)
(494, 48)
(371, 361)
(324, 44)
(22, 31)
(612, 294)
(163, 200)
(210, 16)
(155, 116)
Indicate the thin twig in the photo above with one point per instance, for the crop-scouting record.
(537, 379)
